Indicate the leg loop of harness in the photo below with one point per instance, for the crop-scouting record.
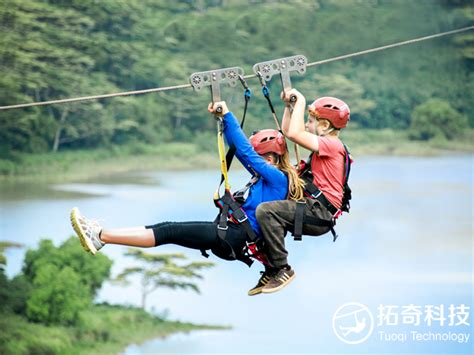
(300, 216)
(323, 223)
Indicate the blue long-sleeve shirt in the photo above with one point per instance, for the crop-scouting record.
(272, 184)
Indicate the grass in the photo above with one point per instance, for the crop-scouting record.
(103, 329)
(85, 165)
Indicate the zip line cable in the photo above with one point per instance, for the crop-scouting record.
(184, 86)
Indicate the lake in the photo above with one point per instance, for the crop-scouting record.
(401, 269)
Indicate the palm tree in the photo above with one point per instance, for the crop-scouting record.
(161, 270)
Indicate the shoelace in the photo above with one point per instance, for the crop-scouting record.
(90, 225)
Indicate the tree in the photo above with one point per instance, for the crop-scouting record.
(58, 296)
(64, 281)
(92, 271)
(56, 49)
(437, 119)
(160, 270)
(338, 85)
(42, 58)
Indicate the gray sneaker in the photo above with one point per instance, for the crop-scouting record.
(87, 230)
(279, 280)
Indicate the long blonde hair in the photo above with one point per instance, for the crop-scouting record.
(295, 183)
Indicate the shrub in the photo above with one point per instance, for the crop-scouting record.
(57, 297)
(92, 271)
(437, 119)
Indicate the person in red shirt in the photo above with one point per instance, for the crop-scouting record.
(324, 177)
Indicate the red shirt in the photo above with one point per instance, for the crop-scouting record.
(328, 169)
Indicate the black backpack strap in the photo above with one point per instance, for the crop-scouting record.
(347, 164)
(239, 195)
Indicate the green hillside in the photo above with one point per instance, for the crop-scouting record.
(59, 49)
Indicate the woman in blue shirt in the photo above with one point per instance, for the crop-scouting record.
(265, 156)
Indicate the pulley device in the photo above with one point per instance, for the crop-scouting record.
(283, 67)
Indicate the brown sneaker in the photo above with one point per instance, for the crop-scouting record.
(279, 280)
(261, 282)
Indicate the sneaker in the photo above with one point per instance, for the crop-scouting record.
(261, 282)
(279, 280)
(87, 230)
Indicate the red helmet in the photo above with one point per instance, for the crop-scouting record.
(268, 140)
(334, 110)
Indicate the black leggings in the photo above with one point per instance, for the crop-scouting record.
(200, 236)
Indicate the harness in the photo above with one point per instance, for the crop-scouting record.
(230, 205)
(230, 210)
(312, 191)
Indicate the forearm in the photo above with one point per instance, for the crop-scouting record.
(285, 123)
(296, 122)
(296, 129)
(232, 132)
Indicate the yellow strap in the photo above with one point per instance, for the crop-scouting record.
(221, 149)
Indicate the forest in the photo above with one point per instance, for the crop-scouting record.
(60, 49)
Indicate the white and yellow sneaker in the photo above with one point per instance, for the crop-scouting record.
(87, 230)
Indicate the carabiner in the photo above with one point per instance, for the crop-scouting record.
(261, 79)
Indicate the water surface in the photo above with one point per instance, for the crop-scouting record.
(407, 241)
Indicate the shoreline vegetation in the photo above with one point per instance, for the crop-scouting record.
(103, 329)
(48, 308)
(90, 165)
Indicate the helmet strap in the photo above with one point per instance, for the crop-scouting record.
(327, 131)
